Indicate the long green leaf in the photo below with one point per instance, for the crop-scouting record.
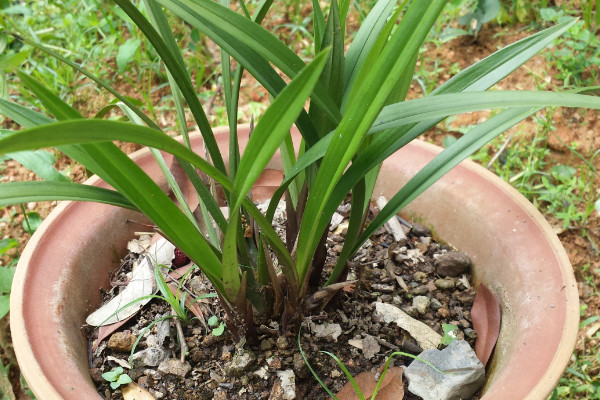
(434, 107)
(365, 38)
(23, 192)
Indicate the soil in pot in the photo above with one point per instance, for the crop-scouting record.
(402, 274)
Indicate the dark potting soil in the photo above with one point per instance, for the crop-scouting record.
(384, 271)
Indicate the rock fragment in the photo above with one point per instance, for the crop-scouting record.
(241, 362)
(174, 366)
(150, 357)
(463, 374)
(421, 303)
(121, 341)
(453, 264)
(327, 331)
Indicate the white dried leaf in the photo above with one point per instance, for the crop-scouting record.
(426, 337)
(141, 284)
(122, 363)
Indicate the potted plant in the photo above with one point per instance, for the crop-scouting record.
(356, 119)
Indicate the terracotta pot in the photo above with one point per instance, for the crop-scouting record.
(514, 250)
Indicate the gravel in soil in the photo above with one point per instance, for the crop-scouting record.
(402, 274)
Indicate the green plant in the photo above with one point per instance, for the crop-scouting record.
(117, 377)
(218, 327)
(356, 118)
(449, 333)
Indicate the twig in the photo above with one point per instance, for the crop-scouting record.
(500, 150)
(387, 344)
(392, 223)
(182, 342)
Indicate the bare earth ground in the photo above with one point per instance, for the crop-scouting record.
(572, 126)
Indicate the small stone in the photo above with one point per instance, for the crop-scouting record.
(288, 384)
(219, 395)
(121, 342)
(282, 343)
(431, 286)
(386, 298)
(470, 333)
(466, 296)
(336, 220)
(266, 344)
(370, 347)
(466, 373)
(383, 288)
(262, 372)
(241, 362)
(329, 332)
(464, 323)
(276, 391)
(209, 340)
(174, 366)
(344, 209)
(274, 362)
(411, 310)
(420, 276)
(443, 312)
(96, 374)
(420, 290)
(453, 264)
(300, 366)
(444, 283)
(435, 304)
(420, 230)
(150, 357)
(421, 303)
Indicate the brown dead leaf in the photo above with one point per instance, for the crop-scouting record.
(486, 317)
(391, 388)
(133, 391)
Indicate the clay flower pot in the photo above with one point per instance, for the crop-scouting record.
(514, 250)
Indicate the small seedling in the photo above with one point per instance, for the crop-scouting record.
(218, 326)
(117, 377)
(449, 334)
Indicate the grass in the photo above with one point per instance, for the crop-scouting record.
(566, 191)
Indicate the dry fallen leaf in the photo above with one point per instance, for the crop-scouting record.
(391, 388)
(133, 391)
(141, 284)
(485, 315)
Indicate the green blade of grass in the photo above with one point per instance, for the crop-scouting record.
(24, 192)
